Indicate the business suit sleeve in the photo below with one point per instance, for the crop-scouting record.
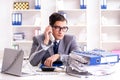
(69, 44)
(34, 45)
(74, 45)
(35, 58)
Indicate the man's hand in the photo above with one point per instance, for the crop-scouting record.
(49, 61)
(48, 30)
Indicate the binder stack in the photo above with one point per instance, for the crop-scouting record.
(79, 62)
(16, 18)
(94, 57)
(85, 58)
(18, 36)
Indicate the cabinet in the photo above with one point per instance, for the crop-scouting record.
(30, 24)
(110, 26)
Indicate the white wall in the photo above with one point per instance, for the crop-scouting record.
(5, 30)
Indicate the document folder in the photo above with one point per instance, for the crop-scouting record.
(88, 58)
(95, 57)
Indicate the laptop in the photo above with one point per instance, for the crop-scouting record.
(12, 61)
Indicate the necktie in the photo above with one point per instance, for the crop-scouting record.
(55, 47)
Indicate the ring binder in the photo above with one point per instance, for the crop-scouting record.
(103, 4)
(82, 4)
(16, 18)
(37, 4)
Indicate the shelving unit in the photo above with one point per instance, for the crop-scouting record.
(31, 26)
(110, 26)
(76, 18)
(102, 31)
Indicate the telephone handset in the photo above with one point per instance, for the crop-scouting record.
(51, 37)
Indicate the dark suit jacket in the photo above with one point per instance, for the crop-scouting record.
(66, 45)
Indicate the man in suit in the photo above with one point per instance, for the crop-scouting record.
(48, 55)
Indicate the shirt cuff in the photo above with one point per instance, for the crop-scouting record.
(45, 47)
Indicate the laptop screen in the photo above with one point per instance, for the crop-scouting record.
(12, 61)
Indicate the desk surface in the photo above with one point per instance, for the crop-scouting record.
(63, 76)
(58, 76)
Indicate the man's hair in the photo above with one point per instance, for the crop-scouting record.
(56, 17)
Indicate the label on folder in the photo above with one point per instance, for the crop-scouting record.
(110, 58)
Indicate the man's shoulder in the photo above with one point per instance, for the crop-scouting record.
(69, 36)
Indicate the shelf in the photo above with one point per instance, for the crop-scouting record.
(77, 26)
(110, 10)
(72, 10)
(72, 20)
(22, 41)
(110, 45)
(110, 18)
(110, 26)
(115, 41)
(29, 10)
(25, 26)
(29, 19)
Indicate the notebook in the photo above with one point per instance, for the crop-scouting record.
(12, 62)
